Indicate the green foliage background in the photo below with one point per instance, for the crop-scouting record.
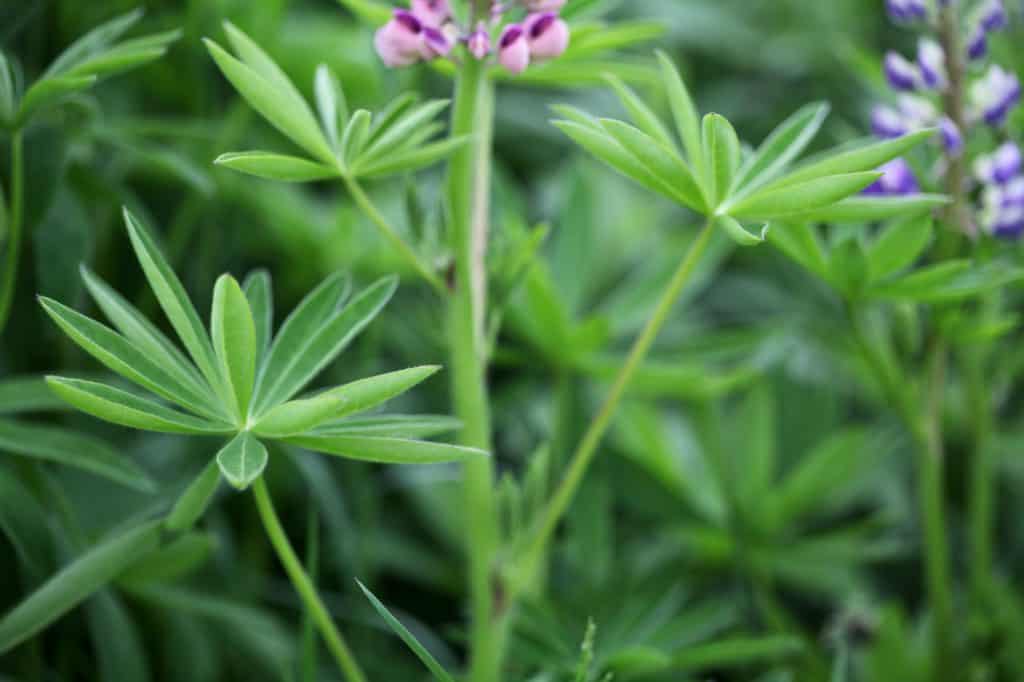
(758, 369)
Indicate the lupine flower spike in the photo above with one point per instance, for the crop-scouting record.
(428, 30)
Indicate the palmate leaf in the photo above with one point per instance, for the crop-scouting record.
(783, 146)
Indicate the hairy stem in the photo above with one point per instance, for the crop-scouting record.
(587, 449)
(15, 218)
(389, 233)
(350, 670)
(469, 207)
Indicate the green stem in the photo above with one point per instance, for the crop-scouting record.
(468, 206)
(8, 279)
(982, 496)
(587, 449)
(350, 670)
(367, 207)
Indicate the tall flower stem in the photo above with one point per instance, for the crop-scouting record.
(981, 501)
(350, 670)
(468, 209)
(15, 218)
(585, 453)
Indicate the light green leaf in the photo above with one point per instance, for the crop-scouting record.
(195, 499)
(330, 104)
(234, 340)
(277, 103)
(800, 241)
(798, 199)
(642, 115)
(299, 416)
(72, 449)
(312, 312)
(355, 136)
(175, 302)
(949, 281)
(27, 394)
(385, 450)
(373, 12)
(783, 146)
(120, 407)
(392, 111)
(304, 360)
(259, 293)
(411, 160)
(393, 425)
(8, 96)
(435, 668)
(865, 209)
(253, 56)
(899, 246)
(76, 582)
(395, 134)
(116, 60)
(122, 356)
(279, 167)
(47, 92)
(738, 233)
(93, 42)
(684, 111)
(242, 460)
(722, 155)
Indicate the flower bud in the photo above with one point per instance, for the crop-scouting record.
(886, 122)
(994, 95)
(897, 180)
(435, 43)
(952, 137)
(901, 74)
(1001, 166)
(400, 41)
(432, 12)
(547, 35)
(479, 42)
(993, 15)
(514, 49)
(977, 43)
(931, 58)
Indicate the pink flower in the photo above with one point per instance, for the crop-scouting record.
(432, 12)
(400, 41)
(479, 42)
(545, 5)
(514, 49)
(547, 35)
(435, 43)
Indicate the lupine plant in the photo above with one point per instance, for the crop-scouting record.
(741, 409)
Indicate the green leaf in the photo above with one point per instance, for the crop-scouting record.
(280, 105)
(8, 96)
(393, 425)
(120, 407)
(47, 92)
(737, 651)
(783, 146)
(722, 154)
(411, 160)
(193, 502)
(242, 460)
(259, 292)
(394, 135)
(661, 162)
(305, 359)
(373, 12)
(116, 60)
(273, 166)
(798, 199)
(435, 668)
(253, 56)
(355, 136)
(392, 111)
(738, 233)
(642, 115)
(72, 449)
(174, 301)
(27, 394)
(385, 450)
(950, 281)
(234, 339)
(684, 112)
(76, 582)
(122, 356)
(298, 416)
(800, 241)
(93, 42)
(173, 561)
(864, 209)
(330, 104)
(866, 156)
(143, 333)
(849, 270)
(899, 246)
(312, 313)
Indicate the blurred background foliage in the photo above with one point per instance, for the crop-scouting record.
(750, 486)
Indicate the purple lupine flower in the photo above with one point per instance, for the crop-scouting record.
(918, 112)
(1003, 209)
(977, 43)
(400, 41)
(432, 12)
(952, 136)
(544, 5)
(479, 42)
(514, 49)
(897, 180)
(901, 73)
(995, 94)
(887, 122)
(993, 15)
(547, 35)
(1001, 166)
(906, 10)
(931, 59)
(435, 43)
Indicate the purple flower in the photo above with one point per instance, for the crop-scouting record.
(1000, 167)
(995, 94)
(547, 34)
(887, 122)
(897, 180)
(1003, 209)
(901, 73)
(993, 15)
(514, 49)
(952, 137)
(479, 42)
(435, 43)
(977, 43)
(931, 58)
(400, 41)
(906, 10)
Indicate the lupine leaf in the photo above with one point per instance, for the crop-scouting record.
(393, 425)
(120, 407)
(305, 359)
(115, 61)
(234, 339)
(76, 582)
(684, 111)
(435, 668)
(738, 233)
(27, 394)
(800, 242)
(276, 166)
(259, 292)
(8, 97)
(312, 312)
(330, 104)
(122, 356)
(93, 42)
(401, 129)
(194, 500)
(721, 153)
(411, 160)
(355, 136)
(643, 117)
(72, 449)
(392, 111)
(47, 92)
(299, 416)
(949, 281)
(385, 450)
(864, 209)
(798, 199)
(899, 246)
(253, 56)
(172, 561)
(242, 460)
(783, 146)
